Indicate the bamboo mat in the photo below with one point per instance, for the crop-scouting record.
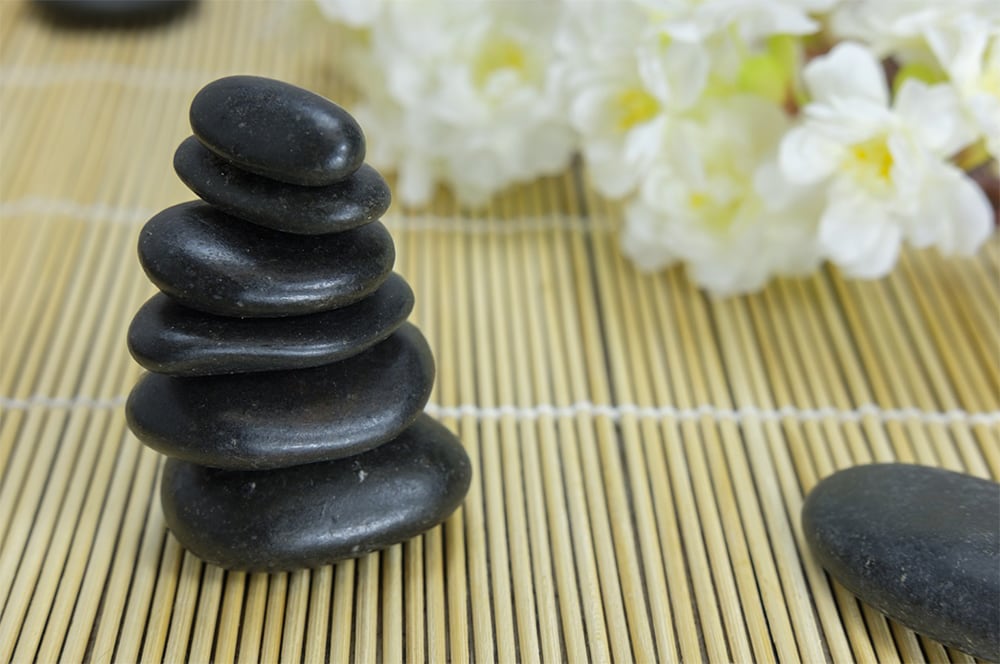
(641, 452)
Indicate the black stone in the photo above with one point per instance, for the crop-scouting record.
(92, 13)
(283, 418)
(169, 338)
(277, 130)
(920, 544)
(361, 197)
(319, 513)
(214, 262)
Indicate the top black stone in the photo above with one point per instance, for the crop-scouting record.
(277, 130)
(920, 544)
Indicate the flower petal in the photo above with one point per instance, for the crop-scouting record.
(954, 215)
(859, 235)
(850, 70)
(806, 156)
(643, 240)
(933, 113)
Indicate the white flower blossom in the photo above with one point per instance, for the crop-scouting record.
(715, 201)
(693, 111)
(886, 169)
(630, 68)
(619, 117)
(970, 55)
(463, 93)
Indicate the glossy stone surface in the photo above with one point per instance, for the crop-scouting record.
(277, 130)
(315, 514)
(169, 338)
(361, 197)
(282, 418)
(103, 12)
(920, 544)
(214, 262)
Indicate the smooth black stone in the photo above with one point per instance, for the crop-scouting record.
(276, 419)
(278, 130)
(361, 197)
(85, 13)
(214, 262)
(920, 544)
(319, 513)
(168, 338)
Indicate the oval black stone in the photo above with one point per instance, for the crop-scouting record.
(87, 13)
(361, 197)
(168, 338)
(318, 513)
(277, 130)
(214, 262)
(283, 418)
(920, 544)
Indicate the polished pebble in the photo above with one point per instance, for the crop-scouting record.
(277, 130)
(282, 418)
(219, 264)
(920, 544)
(94, 13)
(319, 513)
(361, 197)
(168, 338)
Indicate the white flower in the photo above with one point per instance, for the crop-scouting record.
(715, 202)
(885, 168)
(462, 92)
(969, 53)
(620, 118)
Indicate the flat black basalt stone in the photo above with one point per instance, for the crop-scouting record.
(359, 198)
(277, 130)
(93, 13)
(920, 544)
(168, 338)
(319, 513)
(282, 418)
(214, 262)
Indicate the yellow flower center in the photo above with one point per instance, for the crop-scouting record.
(990, 82)
(496, 55)
(634, 107)
(871, 161)
(715, 214)
(698, 199)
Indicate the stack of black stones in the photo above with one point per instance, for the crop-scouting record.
(286, 389)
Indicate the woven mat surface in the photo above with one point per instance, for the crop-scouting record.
(641, 451)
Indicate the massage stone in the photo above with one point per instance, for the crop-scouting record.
(285, 385)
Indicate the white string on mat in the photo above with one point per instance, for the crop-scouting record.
(616, 412)
(105, 213)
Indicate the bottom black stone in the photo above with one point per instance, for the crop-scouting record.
(319, 513)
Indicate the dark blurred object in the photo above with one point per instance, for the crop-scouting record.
(987, 176)
(98, 13)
